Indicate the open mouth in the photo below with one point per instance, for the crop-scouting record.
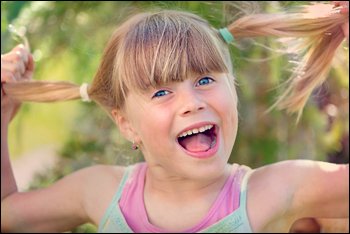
(198, 140)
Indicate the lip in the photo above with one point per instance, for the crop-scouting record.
(202, 155)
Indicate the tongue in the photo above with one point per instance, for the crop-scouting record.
(197, 143)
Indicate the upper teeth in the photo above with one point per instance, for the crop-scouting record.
(196, 130)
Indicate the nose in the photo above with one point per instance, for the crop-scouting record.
(191, 102)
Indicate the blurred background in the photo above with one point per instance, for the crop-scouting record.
(48, 141)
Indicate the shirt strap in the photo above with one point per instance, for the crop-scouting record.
(116, 196)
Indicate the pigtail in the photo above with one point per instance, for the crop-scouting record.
(42, 91)
(314, 38)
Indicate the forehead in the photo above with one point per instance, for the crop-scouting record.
(167, 48)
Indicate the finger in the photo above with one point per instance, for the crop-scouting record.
(11, 71)
(14, 62)
(7, 76)
(29, 69)
(30, 64)
(13, 57)
(27, 59)
(19, 53)
(19, 61)
(23, 52)
(19, 66)
(15, 68)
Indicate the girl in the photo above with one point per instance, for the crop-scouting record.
(166, 80)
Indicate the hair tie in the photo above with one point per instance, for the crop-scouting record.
(226, 35)
(84, 93)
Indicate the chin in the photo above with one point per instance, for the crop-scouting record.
(208, 169)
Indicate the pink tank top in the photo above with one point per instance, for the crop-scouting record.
(133, 208)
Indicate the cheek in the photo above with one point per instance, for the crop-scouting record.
(230, 110)
(145, 117)
(226, 106)
(155, 121)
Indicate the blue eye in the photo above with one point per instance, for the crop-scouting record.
(160, 93)
(205, 81)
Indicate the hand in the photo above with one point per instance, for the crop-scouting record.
(343, 9)
(16, 65)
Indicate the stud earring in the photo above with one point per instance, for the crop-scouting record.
(134, 146)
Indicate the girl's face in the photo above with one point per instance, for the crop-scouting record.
(185, 129)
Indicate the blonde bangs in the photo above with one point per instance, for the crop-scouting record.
(168, 47)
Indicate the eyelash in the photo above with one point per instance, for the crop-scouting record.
(211, 80)
(158, 95)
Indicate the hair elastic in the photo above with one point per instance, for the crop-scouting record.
(226, 35)
(84, 93)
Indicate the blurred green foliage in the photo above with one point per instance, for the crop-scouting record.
(67, 40)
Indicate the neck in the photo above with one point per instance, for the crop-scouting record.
(180, 188)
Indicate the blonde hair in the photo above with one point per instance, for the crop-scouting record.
(315, 39)
(150, 49)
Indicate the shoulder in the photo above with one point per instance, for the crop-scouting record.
(77, 198)
(288, 190)
(105, 172)
(270, 192)
(264, 194)
(100, 185)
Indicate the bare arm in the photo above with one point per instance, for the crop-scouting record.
(15, 65)
(78, 198)
(8, 183)
(57, 208)
(281, 193)
(321, 190)
(69, 202)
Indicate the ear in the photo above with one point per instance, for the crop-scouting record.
(124, 125)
